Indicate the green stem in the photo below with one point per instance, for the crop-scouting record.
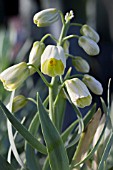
(70, 36)
(41, 75)
(49, 35)
(32, 100)
(76, 24)
(51, 99)
(64, 30)
(62, 17)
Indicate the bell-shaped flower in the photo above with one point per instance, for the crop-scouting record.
(78, 92)
(14, 76)
(35, 55)
(89, 46)
(81, 65)
(93, 84)
(46, 17)
(53, 61)
(18, 103)
(87, 31)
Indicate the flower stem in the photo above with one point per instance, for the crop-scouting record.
(76, 24)
(49, 35)
(70, 36)
(41, 75)
(51, 99)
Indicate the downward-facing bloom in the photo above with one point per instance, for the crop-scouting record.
(46, 17)
(93, 84)
(14, 76)
(89, 46)
(90, 32)
(35, 55)
(53, 61)
(78, 92)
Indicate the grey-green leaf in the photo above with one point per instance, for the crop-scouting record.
(4, 165)
(23, 131)
(57, 154)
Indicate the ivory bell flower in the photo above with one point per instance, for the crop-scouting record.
(88, 31)
(35, 55)
(89, 46)
(78, 92)
(53, 61)
(46, 17)
(93, 84)
(14, 76)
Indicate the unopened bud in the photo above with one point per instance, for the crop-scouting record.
(66, 45)
(46, 17)
(18, 103)
(35, 55)
(81, 65)
(90, 32)
(89, 46)
(93, 84)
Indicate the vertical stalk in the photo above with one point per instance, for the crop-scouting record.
(64, 30)
(51, 100)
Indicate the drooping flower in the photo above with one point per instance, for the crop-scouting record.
(87, 31)
(81, 65)
(53, 61)
(78, 92)
(89, 46)
(46, 17)
(93, 84)
(35, 55)
(14, 76)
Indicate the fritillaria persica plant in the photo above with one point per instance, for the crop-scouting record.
(71, 149)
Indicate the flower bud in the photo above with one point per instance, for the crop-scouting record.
(18, 103)
(35, 55)
(89, 46)
(81, 65)
(90, 32)
(78, 92)
(66, 47)
(46, 17)
(14, 76)
(53, 61)
(94, 85)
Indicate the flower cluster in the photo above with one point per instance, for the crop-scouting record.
(52, 60)
(62, 85)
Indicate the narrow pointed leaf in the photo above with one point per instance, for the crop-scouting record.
(57, 154)
(23, 131)
(106, 152)
(89, 115)
(66, 133)
(31, 159)
(4, 165)
(86, 138)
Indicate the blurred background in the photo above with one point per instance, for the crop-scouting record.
(17, 33)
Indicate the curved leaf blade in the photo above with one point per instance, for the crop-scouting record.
(23, 131)
(57, 154)
(4, 165)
